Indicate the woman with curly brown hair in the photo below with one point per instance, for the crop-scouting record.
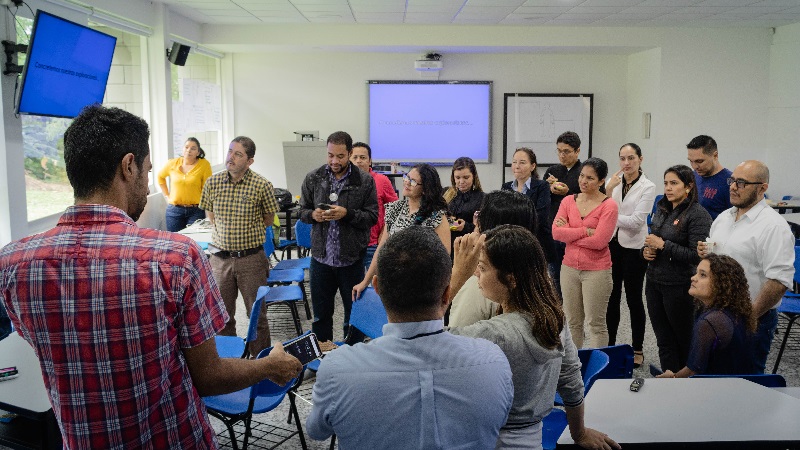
(719, 340)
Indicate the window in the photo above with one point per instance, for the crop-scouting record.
(47, 188)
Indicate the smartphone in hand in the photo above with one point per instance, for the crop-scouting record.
(324, 206)
(306, 348)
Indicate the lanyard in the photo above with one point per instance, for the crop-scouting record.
(424, 334)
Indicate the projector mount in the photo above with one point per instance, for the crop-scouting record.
(10, 48)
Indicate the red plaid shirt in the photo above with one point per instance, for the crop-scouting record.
(108, 306)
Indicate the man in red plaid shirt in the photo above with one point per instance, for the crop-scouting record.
(123, 318)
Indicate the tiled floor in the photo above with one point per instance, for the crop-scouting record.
(282, 329)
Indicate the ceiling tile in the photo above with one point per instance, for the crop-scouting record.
(787, 3)
(725, 2)
(552, 2)
(593, 3)
(596, 9)
(542, 9)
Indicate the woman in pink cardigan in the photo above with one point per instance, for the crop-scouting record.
(585, 222)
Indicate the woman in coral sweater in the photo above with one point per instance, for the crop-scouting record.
(586, 222)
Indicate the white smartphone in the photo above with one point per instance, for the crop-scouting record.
(306, 348)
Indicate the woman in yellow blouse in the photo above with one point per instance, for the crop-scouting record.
(187, 175)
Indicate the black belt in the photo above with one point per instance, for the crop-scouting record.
(238, 253)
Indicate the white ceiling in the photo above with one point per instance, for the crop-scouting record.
(595, 13)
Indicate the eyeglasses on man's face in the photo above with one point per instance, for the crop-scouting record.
(741, 183)
(565, 152)
(412, 182)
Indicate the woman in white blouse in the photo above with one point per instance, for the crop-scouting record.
(634, 194)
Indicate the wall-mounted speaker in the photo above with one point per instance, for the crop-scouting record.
(178, 54)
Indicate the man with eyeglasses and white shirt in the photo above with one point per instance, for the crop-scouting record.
(761, 241)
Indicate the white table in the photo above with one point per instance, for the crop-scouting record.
(700, 412)
(201, 233)
(26, 396)
(27, 390)
(791, 391)
(794, 217)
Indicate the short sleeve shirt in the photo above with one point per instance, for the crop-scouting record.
(107, 307)
(239, 209)
(399, 218)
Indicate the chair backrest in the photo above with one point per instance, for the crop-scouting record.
(266, 387)
(302, 232)
(620, 363)
(653, 211)
(269, 243)
(252, 326)
(770, 380)
(368, 314)
(797, 264)
(593, 361)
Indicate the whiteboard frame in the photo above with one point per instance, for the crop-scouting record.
(579, 108)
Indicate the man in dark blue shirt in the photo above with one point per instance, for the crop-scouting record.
(709, 175)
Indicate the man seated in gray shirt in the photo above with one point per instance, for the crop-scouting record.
(417, 386)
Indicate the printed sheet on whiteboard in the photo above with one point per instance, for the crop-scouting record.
(536, 121)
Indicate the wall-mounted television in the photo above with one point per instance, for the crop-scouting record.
(430, 121)
(66, 68)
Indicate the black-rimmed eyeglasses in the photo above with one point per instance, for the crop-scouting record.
(740, 183)
(412, 182)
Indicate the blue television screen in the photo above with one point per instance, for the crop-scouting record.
(430, 121)
(66, 68)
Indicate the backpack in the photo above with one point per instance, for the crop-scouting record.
(283, 197)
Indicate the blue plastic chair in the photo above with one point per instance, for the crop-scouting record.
(789, 308)
(368, 314)
(769, 380)
(234, 346)
(286, 277)
(302, 232)
(653, 211)
(262, 397)
(283, 295)
(592, 366)
(620, 362)
(593, 361)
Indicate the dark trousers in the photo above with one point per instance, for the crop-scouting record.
(180, 217)
(325, 281)
(761, 340)
(628, 268)
(671, 310)
(555, 266)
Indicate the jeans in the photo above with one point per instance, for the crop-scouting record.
(671, 310)
(556, 265)
(180, 217)
(761, 340)
(628, 268)
(325, 281)
(368, 257)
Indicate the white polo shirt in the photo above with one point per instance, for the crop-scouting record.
(761, 241)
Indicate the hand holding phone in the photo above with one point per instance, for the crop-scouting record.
(324, 206)
(305, 349)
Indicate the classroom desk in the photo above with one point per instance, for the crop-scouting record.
(720, 413)
(791, 206)
(201, 233)
(792, 217)
(36, 426)
(791, 391)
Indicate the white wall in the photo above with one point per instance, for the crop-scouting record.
(693, 81)
(277, 94)
(783, 132)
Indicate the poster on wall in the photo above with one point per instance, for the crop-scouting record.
(536, 120)
(198, 110)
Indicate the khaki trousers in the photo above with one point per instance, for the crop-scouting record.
(586, 295)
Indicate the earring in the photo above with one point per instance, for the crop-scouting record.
(688, 190)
